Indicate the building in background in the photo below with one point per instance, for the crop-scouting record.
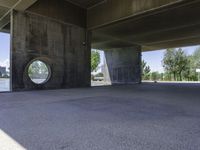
(2, 71)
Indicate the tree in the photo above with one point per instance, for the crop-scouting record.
(38, 70)
(196, 58)
(181, 62)
(187, 72)
(95, 60)
(155, 76)
(175, 62)
(143, 66)
(167, 76)
(194, 64)
(169, 62)
(161, 76)
(145, 71)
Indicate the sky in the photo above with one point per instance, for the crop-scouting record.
(4, 49)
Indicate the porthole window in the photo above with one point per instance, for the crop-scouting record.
(39, 72)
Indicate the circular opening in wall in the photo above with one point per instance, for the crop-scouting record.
(39, 72)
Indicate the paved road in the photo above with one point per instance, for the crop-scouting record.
(138, 117)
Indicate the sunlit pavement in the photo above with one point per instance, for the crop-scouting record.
(180, 82)
(135, 117)
(99, 83)
(4, 85)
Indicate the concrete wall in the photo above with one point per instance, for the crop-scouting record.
(65, 47)
(60, 10)
(123, 65)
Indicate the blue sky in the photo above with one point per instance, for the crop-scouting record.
(4, 49)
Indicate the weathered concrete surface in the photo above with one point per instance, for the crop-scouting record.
(6, 6)
(152, 24)
(54, 32)
(123, 65)
(141, 117)
(86, 3)
(174, 25)
(61, 10)
(115, 10)
(59, 44)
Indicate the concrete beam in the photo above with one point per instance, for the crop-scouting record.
(24, 4)
(60, 10)
(19, 5)
(170, 25)
(187, 41)
(112, 11)
(4, 21)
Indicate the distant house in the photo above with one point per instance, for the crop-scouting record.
(2, 71)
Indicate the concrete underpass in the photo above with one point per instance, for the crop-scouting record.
(60, 110)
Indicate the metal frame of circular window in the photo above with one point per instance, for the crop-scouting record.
(48, 67)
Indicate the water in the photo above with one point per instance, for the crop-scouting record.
(4, 85)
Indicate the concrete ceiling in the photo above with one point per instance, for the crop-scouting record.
(86, 3)
(7, 5)
(174, 26)
(5, 8)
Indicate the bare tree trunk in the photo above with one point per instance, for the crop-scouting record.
(174, 76)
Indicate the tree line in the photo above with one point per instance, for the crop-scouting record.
(178, 66)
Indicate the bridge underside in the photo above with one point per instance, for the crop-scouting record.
(62, 32)
(173, 26)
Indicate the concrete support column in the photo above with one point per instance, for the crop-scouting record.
(123, 65)
(64, 47)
